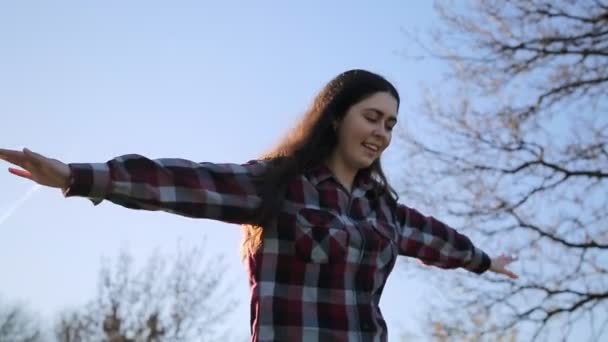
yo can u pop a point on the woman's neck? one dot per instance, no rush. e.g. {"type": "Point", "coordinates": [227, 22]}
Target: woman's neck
{"type": "Point", "coordinates": [341, 171]}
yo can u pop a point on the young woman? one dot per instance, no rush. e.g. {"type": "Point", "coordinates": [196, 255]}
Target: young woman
{"type": "Point", "coordinates": [323, 227]}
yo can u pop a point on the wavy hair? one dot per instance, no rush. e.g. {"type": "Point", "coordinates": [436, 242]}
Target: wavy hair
{"type": "Point", "coordinates": [311, 142]}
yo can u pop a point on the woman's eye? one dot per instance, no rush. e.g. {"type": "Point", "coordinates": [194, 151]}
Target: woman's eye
{"type": "Point", "coordinates": [370, 119]}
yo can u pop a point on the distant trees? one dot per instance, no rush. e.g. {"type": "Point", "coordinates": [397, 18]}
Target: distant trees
{"type": "Point", "coordinates": [522, 162]}
{"type": "Point", "coordinates": [179, 298]}
{"type": "Point", "coordinates": [17, 324]}
{"type": "Point", "coordinates": [178, 301]}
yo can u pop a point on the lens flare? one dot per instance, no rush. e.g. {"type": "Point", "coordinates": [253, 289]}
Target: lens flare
{"type": "Point", "coordinates": [6, 213]}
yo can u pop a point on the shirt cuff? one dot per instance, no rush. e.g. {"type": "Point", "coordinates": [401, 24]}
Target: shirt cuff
{"type": "Point", "coordinates": [91, 180]}
{"type": "Point", "coordinates": [480, 261]}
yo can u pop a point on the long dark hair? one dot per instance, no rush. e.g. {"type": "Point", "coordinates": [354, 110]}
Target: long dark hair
{"type": "Point", "coordinates": [312, 141]}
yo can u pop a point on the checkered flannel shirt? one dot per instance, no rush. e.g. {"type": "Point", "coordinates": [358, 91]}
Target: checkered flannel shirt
{"type": "Point", "coordinates": [324, 260]}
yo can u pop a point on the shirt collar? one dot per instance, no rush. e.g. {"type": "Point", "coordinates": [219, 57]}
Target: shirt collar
{"type": "Point", "coordinates": [322, 172]}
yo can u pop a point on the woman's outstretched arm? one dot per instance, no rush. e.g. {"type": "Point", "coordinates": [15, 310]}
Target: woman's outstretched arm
{"type": "Point", "coordinates": [220, 191]}
{"type": "Point", "coordinates": [437, 244]}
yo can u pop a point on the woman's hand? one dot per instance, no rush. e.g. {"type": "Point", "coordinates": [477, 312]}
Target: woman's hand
{"type": "Point", "coordinates": [499, 265]}
{"type": "Point", "coordinates": [40, 169]}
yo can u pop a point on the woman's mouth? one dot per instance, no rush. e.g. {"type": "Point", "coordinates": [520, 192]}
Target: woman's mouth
{"type": "Point", "coordinates": [371, 148]}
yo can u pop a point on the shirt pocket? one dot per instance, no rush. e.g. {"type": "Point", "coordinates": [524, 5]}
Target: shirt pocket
{"type": "Point", "coordinates": [380, 242]}
{"type": "Point", "coordinates": [320, 237]}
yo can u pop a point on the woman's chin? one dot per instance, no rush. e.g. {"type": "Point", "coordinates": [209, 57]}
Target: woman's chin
{"type": "Point", "coordinates": [364, 163]}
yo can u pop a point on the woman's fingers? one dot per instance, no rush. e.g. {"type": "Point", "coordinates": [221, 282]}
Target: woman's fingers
{"type": "Point", "coordinates": [13, 157]}
{"type": "Point", "coordinates": [507, 259]}
{"type": "Point", "coordinates": [4, 151]}
{"type": "Point", "coordinates": [508, 273]}
{"type": "Point", "coordinates": [36, 167]}
{"type": "Point", "coordinates": [499, 265]}
{"type": "Point", "coordinates": [24, 159]}
{"type": "Point", "coordinates": [21, 173]}
{"type": "Point", "coordinates": [36, 158]}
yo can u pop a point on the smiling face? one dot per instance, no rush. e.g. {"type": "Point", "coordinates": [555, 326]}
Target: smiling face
{"type": "Point", "coordinates": [365, 131]}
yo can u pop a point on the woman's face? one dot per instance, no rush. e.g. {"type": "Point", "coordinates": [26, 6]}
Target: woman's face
{"type": "Point", "coordinates": [366, 130]}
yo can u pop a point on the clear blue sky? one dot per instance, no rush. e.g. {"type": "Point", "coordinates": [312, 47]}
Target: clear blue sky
{"type": "Point", "coordinates": [209, 81]}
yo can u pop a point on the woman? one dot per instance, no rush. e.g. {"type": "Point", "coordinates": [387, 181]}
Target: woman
{"type": "Point", "coordinates": [323, 227]}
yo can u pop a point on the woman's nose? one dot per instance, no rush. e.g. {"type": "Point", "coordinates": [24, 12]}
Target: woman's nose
{"type": "Point", "coordinates": [381, 132]}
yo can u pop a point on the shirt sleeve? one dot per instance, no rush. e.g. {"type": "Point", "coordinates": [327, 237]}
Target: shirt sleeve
{"type": "Point", "coordinates": [437, 244]}
{"type": "Point", "coordinates": [222, 191]}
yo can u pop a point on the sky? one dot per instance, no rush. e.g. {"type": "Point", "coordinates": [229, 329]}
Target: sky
{"type": "Point", "coordinates": [86, 81]}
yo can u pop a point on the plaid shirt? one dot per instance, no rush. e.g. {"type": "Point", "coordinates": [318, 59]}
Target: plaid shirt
{"type": "Point", "coordinates": [324, 261]}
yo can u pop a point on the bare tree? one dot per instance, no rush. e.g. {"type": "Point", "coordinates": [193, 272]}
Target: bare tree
{"type": "Point", "coordinates": [185, 302]}
{"type": "Point", "coordinates": [17, 324]}
{"type": "Point", "coordinates": [514, 151]}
